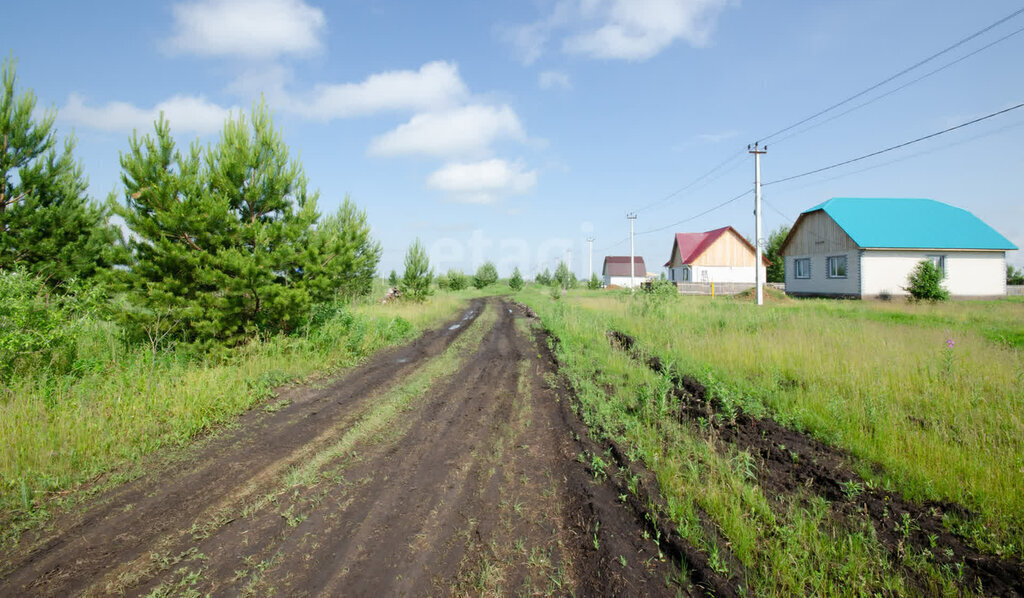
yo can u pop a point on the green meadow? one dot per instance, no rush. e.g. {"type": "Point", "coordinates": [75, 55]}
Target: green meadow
{"type": "Point", "coordinates": [926, 399]}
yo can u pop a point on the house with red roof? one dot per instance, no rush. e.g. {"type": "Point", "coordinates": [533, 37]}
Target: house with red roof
{"type": "Point", "coordinates": [721, 256]}
{"type": "Point", "coordinates": [616, 271]}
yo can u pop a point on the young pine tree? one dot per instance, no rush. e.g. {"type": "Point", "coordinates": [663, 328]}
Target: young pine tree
{"type": "Point", "coordinates": [486, 275]}
{"type": "Point", "coordinates": [417, 276]}
{"type": "Point", "coordinates": [48, 225]}
{"type": "Point", "coordinates": [393, 279]}
{"type": "Point", "coordinates": [223, 241]}
{"type": "Point", "coordinates": [925, 283]}
{"type": "Point", "coordinates": [516, 282]}
{"type": "Point", "coordinates": [594, 283]}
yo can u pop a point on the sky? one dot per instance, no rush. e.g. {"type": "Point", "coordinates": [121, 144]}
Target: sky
{"type": "Point", "coordinates": [514, 131]}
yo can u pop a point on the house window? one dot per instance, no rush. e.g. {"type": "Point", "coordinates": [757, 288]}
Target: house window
{"type": "Point", "coordinates": [939, 261]}
{"type": "Point", "coordinates": [686, 274]}
{"type": "Point", "coordinates": [836, 266]}
{"type": "Point", "coordinates": [802, 267]}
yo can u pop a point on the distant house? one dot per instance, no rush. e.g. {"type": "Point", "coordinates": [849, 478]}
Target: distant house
{"type": "Point", "coordinates": [720, 255]}
{"type": "Point", "coordinates": [866, 248]}
{"type": "Point", "coordinates": [616, 270]}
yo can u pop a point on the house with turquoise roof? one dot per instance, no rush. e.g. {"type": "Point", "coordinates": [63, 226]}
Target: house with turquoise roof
{"type": "Point", "coordinates": [866, 248]}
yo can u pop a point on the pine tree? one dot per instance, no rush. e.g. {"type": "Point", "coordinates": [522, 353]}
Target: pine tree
{"type": "Point", "coordinates": [393, 279]}
{"type": "Point", "coordinates": [224, 243]}
{"type": "Point", "coordinates": [563, 277]}
{"type": "Point", "coordinates": [776, 270]}
{"type": "Point", "coordinates": [417, 276]}
{"type": "Point", "coordinates": [48, 225]}
{"type": "Point", "coordinates": [594, 283]}
{"type": "Point", "coordinates": [516, 282]}
{"type": "Point", "coordinates": [342, 258]}
{"type": "Point", "coordinates": [486, 275]}
{"type": "Point", "coordinates": [543, 278]}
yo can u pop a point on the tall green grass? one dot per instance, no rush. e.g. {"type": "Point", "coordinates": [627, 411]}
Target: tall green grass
{"type": "Point", "coordinates": [116, 402]}
{"type": "Point", "coordinates": [879, 380]}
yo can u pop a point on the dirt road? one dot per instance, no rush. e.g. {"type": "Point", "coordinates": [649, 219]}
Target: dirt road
{"type": "Point", "coordinates": [449, 466]}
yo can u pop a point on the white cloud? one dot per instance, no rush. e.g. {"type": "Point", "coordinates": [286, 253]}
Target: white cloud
{"type": "Point", "coordinates": [247, 28]}
{"type": "Point", "coordinates": [483, 182]}
{"type": "Point", "coordinates": [619, 29]}
{"type": "Point", "coordinates": [552, 79]}
{"type": "Point", "coordinates": [717, 137]}
{"type": "Point", "coordinates": [435, 85]}
{"type": "Point", "coordinates": [465, 131]}
{"type": "Point", "coordinates": [193, 114]}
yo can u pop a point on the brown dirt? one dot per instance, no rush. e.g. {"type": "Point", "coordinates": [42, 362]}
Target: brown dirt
{"type": "Point", "coordinates": [475, 487]}
{"type": "Point", "coordinates": [791, 463]}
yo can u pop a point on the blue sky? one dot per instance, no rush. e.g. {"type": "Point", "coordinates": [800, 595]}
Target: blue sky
{"type": "Point", "coordinates": [511, 131]}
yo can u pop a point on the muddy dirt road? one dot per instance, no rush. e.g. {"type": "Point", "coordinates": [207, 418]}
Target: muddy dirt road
{"type": "Point", "coordinates": [448, 466]}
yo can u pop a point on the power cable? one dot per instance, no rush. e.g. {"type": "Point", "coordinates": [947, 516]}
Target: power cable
{"type": "Point", "coordinates": [705, 212]}
{"type": "Point", "coordinates": [901, 87]}
{"type": "Point", "coordinates": [896, 76]}
{"type": "Point", "coordinates": [693, 182]}
{"type": "Point", "coordinates": [894, 147]}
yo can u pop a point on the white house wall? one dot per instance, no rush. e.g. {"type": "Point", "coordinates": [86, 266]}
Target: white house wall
{"type": "Point", "coordinates": [623, 281]}
{"type": "Point", "coordinates": [819, 283]}
{"type": "Point", "coordinates": [968, 273]}
{"type": "Point", "coordinates": [716, 274]}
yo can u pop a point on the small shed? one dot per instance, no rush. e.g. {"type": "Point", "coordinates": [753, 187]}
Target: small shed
{"type": "Point", "coordinates": [867, 247]}
{"type": "Point", "coordinates": [720, 255]}
{"type": "Point", "coordinates": [616, 271]}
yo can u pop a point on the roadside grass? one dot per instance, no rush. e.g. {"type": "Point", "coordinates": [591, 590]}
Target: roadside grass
{"type": "Point", "coordinates": [879, 380]}
{"type": "Point", "coordinates": [120, 402]}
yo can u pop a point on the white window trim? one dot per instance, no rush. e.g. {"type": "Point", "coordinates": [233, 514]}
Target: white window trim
{"type": "Point", "coordinates": [828, 266]}
{"type": "Point", "coordinates": [796, 268]}
{"type": "Point", "coordinates": [939, 260]}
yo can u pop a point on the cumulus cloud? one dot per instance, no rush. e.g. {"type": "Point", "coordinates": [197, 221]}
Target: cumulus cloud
{"type": "Point", "coordinates": [192, 114]}
{"type": "Point", "coordinates": [435, 85]}
{"type": "Point", "coordinates": [467, 130]}
{"type": "Point", "coordinates": [246, 28]}
{"type": "Point", "coordinates": [483, 182]}
{"type": "Point", "coordinates": [553, 79]}
{"type": "Point", "coordinates": [618, 29]}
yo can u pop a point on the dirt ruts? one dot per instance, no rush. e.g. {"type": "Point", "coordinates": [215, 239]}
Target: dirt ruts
{"type": "Point", "coordinates": [792, 463]}
{"type": "Point", "coordinates": [447, 466]}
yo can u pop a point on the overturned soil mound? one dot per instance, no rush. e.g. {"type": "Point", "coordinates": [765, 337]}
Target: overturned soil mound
{"type": "Point", "coordinates": [792, 463]}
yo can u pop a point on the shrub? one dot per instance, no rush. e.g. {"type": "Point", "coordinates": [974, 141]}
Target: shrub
{"type": "Point", "coordinates": [925, 283]}
{"type": "Point", "coordinates": [543, 278]}
{"type": "Point", "coordinates": [417, 276]}
{"type": "Point", "coordinates": [516, 282]}
{"type": "Point", "coordinates": [594, 283]}
{"type": "Point", "coordinates": [563, 277]}
{"type": "Point", "coordinates": [486, 275]}
{"type": "Point", "coordinates": [457, 280]}
{"type": "Point", "coordinates": [1013, 275]}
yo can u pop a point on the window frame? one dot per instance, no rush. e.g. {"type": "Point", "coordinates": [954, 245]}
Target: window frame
{"type": "Point", "coordinates": [939, 260]}
{"type": "Point", "coordinates": [834, 259]}
{"type": "Point", "coordinates": [796, 268]}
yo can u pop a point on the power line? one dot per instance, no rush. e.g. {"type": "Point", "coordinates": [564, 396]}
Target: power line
{"type": "Point", "coordinates": [895, 147]}
{"type": "Point", "coordinates": [900, 88]}
{"type": "Point", "coordinates": [896, 76]}
{"type": "Point", "coordinates": [912, 156]}
{"type": "Point", "coordinates": [692, 183]}
{"type": "Point", "coordinates": [705, 212]}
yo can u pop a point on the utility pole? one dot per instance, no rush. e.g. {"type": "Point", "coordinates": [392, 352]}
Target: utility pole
{"type": "Point", "coordinates": [590, 241]}
{"type": "Point", "coordinates": [757, 219]}
{"type": "Point", "coordinates": [632, 259]}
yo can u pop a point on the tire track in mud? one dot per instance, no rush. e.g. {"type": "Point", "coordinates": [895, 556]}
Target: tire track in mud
{"type": "Point", "coordinates": [448, 466]}
{"type": "Point", "coordinates": [791, 463]}
{"type": "Point", "coordinates": [128, 522]}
